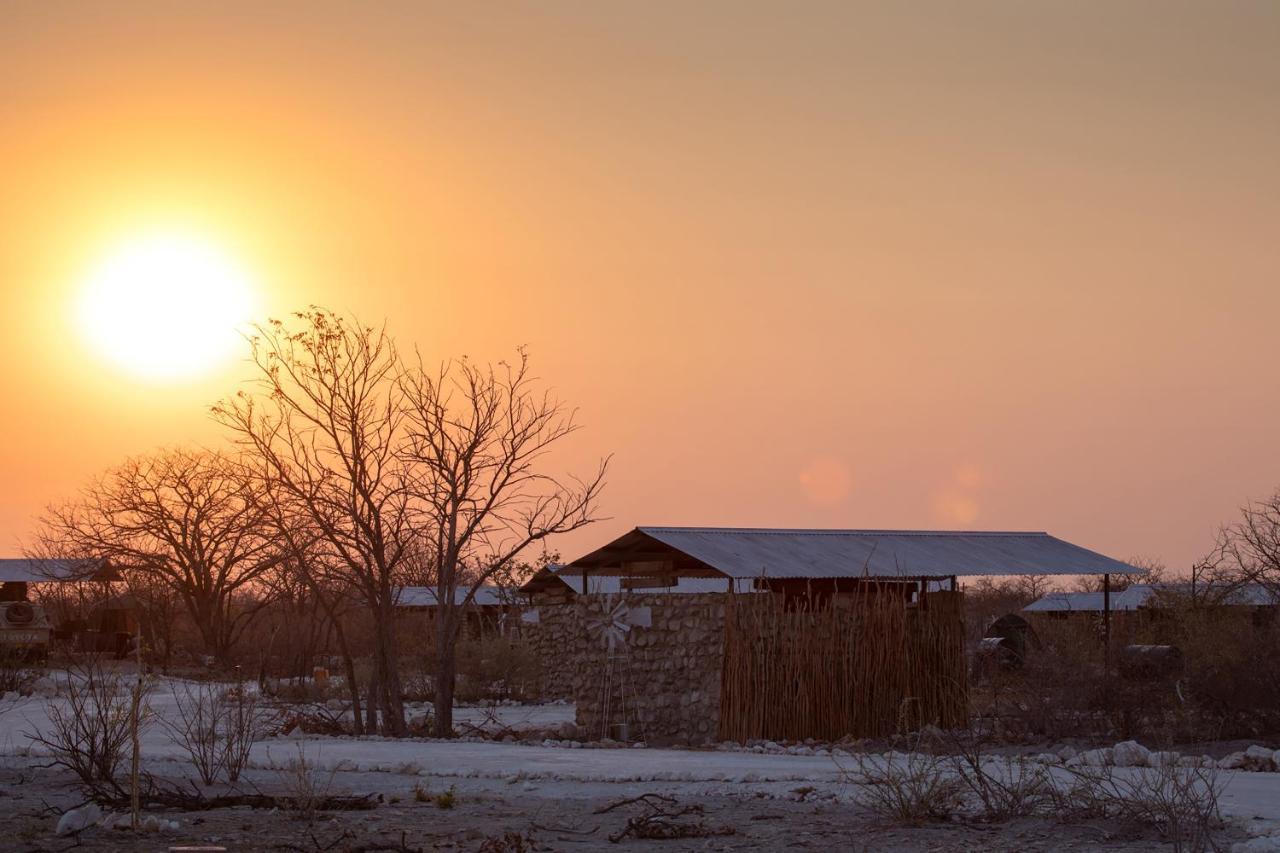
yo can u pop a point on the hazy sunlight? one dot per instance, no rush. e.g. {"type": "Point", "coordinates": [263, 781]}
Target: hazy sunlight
{"type": "Point", "coordinates": [166, 306]}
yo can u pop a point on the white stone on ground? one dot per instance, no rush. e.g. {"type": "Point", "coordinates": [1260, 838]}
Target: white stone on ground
{"type": "Point", "coordinates": [78, 820]}
{"type": "Point", "coordinates": [1130, 753]}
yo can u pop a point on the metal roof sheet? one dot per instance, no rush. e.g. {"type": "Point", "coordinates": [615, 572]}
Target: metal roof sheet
{"type": "Point", "coordinates": [1087, 602]}
{"type": "Point", "coordinates": [1149, 595]}
{"type": "Point", "coordinates": [782, 553]}
{"type": "Point", "coordinates": [425, 596]}
{"type": "Point", "coordinates": [26, 570]}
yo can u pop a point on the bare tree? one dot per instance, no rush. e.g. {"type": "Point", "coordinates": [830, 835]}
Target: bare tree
{"type": "Point", "coordinates": [1247, 551]}
{"type": "Point", "coordinates": [478, 438]}
{"type": "Point", "coordinates": [1150, 570]}
{"type": "Point", "coordinates": [325, 424]}
{"type": "Point", "coordinates": [189, 519]}
{"type": "Point", "coordinates": [329, 587]}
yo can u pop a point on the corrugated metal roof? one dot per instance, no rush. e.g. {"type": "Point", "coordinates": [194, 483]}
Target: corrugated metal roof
{"type": "Point", "coordinates": [425, 596]}
{"type": "Point", "coordinates": [1086, 602]}
{"type": "Point", "coordinates": [1149, 595]}
{"type": "Point", "coordinates": [24, 570]}
{"type": "Point", "coordinates": [772, 553]}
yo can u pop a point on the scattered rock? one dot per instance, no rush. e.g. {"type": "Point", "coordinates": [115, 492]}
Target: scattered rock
{"type": "Point", "coordinates": [78, 820]}
{"type": "Point", "coordinates": [151, 823]}
{"type": "Point", "coordinates": [1234, 761]}
{"type": "Point", "coordinates": [1096, 757]}
{"type": "Point", "coordinates": [1259, 758]}
{"type": "Point", "coordinates": [1130, 753]}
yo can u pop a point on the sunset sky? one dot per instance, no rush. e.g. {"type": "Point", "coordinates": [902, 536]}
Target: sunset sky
{"type": "Point", "coordinates": [983, 265]}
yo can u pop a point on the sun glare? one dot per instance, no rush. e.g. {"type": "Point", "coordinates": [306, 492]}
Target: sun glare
{"type": "Point", "coordinates": [166, 307]}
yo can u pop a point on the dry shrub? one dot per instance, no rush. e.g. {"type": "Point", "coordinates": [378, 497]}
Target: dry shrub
{"type": "Point", "coordinates": [306, 788]}
{"type": "Point", "coordinates": [494, 667]}
{"type": "Point", "coordinates": [1002, 789]}
{"type": "Point", "coordinates": [313, 719]}
{"type": "Point", "coordinates": [1229, 686]}
{"type": "Point", "coordinates": [90, 726]}
{"type": "Point", "coordinates": [18, 671]}
{"type": "Point", "coordinates": [1182, 803]}
{"type": "Point", "coordinates": [1231, 681]}
{"type": "Point", "coordinates": [1058, 693]}
{"type": "Point", "coordinates": [912, 788]}
{"type": "Point", "coordinates": [216, 726]}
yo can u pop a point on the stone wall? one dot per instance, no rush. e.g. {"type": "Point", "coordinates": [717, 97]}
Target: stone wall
{"type": "Point", "coordinates": [554, 639]}
{"type": "Point", "coordinates": [664, 682]}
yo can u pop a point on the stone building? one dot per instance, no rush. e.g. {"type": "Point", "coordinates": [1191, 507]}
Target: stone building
{"type": "Point", "coordinates": [691, 635]}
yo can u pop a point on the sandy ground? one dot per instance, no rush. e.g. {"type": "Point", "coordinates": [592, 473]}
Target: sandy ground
{"type": "Point", "coordinates": [563, 820]}
{"type": "Point", "coordinates": [538, 797]}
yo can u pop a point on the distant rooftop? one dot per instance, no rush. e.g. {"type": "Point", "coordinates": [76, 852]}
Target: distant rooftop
{"type": "Point", "coordinates": [742, 553]}
{"type": "Point", "coordinates": [27, 570]}
{"type": "Point", "coordinates": [1148, 595]}
{"type": "Point", "coordinates": [426, 596]}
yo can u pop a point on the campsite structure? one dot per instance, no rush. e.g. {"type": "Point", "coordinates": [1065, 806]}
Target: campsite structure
{"type": "Point", "coordinates": [861, 634]}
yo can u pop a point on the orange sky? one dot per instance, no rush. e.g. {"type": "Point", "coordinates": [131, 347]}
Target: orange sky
{"type": "Point", "coordinates": [994, 265]}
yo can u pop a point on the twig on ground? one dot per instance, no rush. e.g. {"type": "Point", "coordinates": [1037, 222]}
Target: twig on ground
{"type": "Point", "coordinates": [647, 799]}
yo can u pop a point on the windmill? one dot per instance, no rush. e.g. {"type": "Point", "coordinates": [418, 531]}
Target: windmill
{"type": "Point", "coordinates": [610, 629]}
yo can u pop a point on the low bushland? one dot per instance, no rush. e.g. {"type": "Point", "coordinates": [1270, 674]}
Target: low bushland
{"type": "Point", "coordinates": [955, 778]}
{"type": "Point", "coordinates": [1227, 686]}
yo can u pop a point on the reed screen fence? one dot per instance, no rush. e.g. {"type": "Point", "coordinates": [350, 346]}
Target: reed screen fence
{"type": "Point", "coordinates": [867, 666]}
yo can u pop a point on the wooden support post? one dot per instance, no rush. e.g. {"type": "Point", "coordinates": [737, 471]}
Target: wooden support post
{"type": "Point", "coordinates": [584, 580]}
{"type": "Point", "coordinates": [1106, 629]}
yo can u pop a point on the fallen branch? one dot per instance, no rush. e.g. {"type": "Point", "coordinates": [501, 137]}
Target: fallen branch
{"type": "Point", "coordinates": [647, 799]}
{"type": "Point", "coordinates": [662, 821]}
{"type": "Point", "coordinates": [153, 794]}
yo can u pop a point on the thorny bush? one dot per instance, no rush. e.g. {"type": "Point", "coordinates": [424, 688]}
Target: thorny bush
{"type": "Point", "coordinates": [90, 723]}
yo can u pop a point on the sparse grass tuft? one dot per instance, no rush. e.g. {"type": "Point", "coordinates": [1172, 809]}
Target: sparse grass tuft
{"type": "Point", "coordinates": [446, 800]}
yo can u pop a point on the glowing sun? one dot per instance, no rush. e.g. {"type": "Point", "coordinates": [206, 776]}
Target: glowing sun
{"type": "Point", "coordinates": [166, 306]}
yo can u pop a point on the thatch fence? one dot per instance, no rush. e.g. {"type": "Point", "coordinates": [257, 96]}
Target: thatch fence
{"type": "Point", "coordinates": [868, 666]}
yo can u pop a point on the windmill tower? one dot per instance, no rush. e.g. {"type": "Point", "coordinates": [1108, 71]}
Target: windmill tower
{"type": "Point", "coordinates": [619, 710]}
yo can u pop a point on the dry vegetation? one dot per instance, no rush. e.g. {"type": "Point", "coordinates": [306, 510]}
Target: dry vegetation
{"type": "Point", "coordinates": [956, 778]}
{"type": "Point", "coordinates": [91, 724]}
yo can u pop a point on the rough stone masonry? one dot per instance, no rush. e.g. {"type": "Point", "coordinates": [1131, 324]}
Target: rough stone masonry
{"type": "Point", "coordinates": [663, 683]}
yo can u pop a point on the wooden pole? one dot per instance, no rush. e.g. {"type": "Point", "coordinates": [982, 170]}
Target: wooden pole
{"type": "Point", "coordinates": [1106, 638]}
{"type": "Point", "coordinates": [134, 724]}
{"type": "Point", "coordinates": [1106, 619]}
